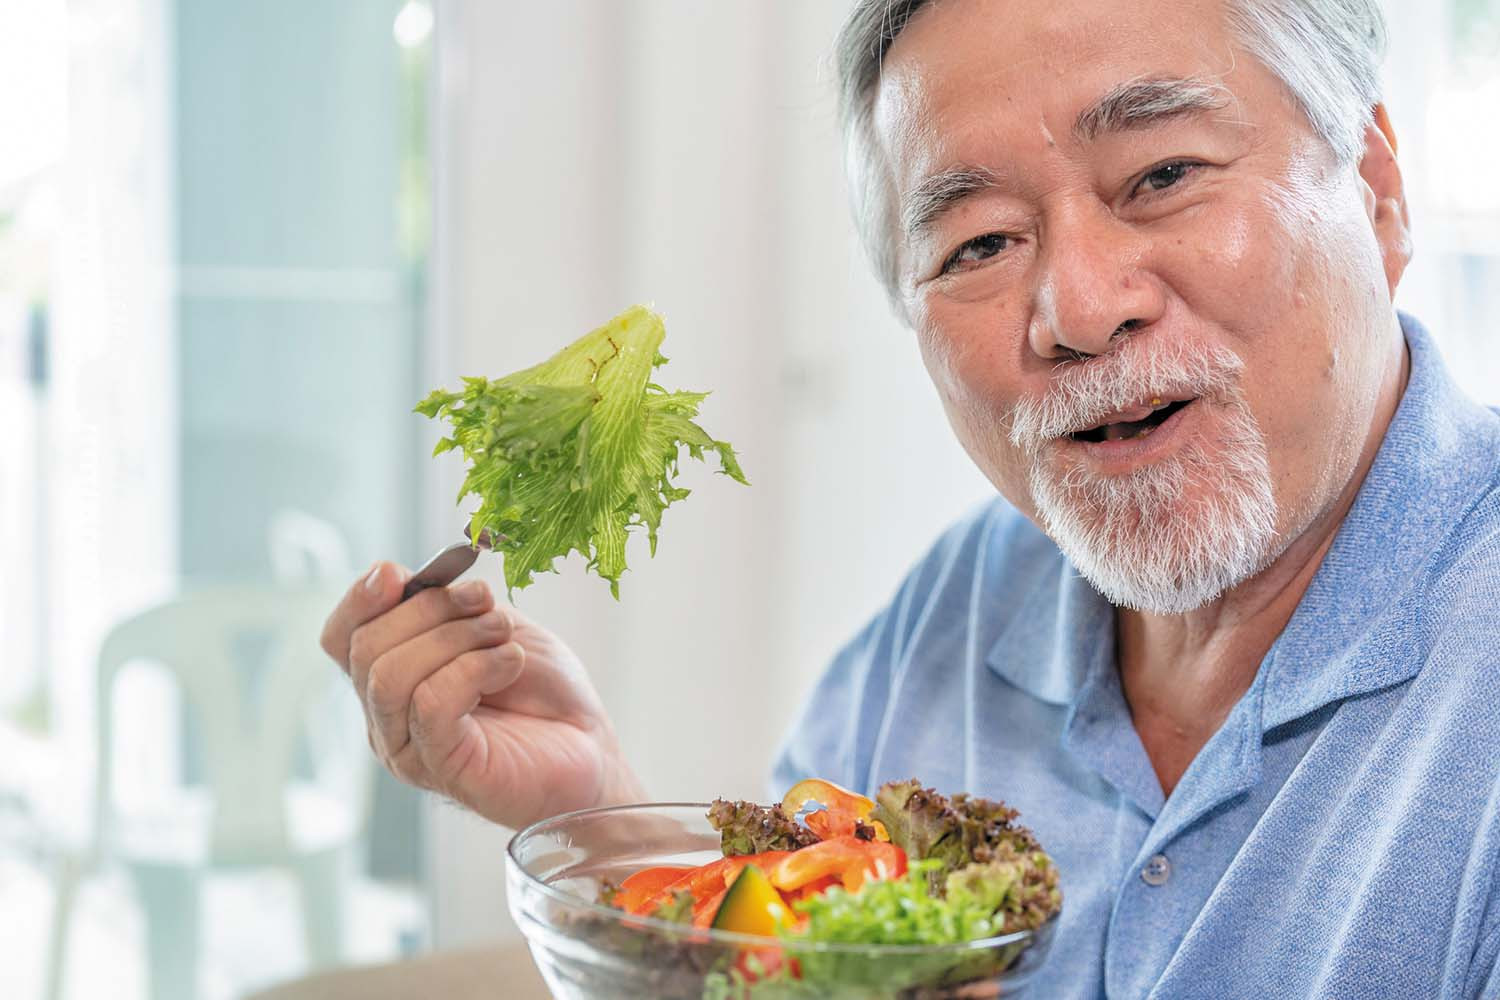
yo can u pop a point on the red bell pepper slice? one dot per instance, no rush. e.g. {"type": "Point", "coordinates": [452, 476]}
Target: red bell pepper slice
{"type": "Point", "coordinates": [826, 793]}
{"type": "Point", "coordinates": [816, 887]}
{"type": "Point", "coordinates": [646, 883]}
{"type": "Point", "coordinates": [711, 879]}
{"type": "Point", "coordinates": [707, 908]}
{"type": "Point", "coordinates": [850, 859]}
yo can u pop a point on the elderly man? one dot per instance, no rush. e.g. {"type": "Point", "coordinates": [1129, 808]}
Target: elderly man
{"type": "Point", "coordinates": [1230, 641]}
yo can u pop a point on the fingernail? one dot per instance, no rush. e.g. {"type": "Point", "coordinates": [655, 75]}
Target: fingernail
{"type": "Point", "coordinates": [372, 582]}
{"type": "Point", "coordinates": [470, 595]}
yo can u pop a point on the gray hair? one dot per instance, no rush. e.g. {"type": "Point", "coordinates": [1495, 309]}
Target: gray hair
{"type": "Point", "coordinates": [1327, 54]}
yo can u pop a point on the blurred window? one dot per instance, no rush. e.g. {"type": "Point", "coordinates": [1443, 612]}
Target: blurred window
{"type": "Point", "coordinates": [212, 249]}
{"type": "Point", "coordinates": [1443, 86]}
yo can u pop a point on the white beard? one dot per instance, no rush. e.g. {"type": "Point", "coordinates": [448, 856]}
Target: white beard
{"type": "Point", "coordinates": [1133, 539]}
{"type": "Point", "coordinates": [1171, 536]}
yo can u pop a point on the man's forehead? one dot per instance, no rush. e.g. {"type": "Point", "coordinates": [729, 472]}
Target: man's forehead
{"type": "Point", "coordinates": [973, 69]}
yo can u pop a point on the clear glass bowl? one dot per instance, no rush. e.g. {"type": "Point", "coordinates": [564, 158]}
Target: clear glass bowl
{"type": "Point", "coordinates": [589, 951]}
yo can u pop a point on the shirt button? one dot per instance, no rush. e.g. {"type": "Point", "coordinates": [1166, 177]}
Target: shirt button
{"type": "Point", "coordinates": [1157, 870]}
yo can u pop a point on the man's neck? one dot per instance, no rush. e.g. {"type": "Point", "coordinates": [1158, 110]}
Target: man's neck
{"type": "Point", "coordinates": [1182, 674]}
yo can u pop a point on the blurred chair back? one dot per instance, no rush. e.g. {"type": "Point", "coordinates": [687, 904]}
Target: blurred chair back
{"type": "Point", "coordinates": [251, 675]}
{"type": "Point", "coordinates": [250, 722]}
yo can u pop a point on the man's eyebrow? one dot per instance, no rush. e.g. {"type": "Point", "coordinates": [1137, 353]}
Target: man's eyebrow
{"type": "Point", "coordinates": [935, 195]}
{"type": "Point", "coordinates": [1139, 104]}
{"type": "Point", "coordinates": [1135, 104]}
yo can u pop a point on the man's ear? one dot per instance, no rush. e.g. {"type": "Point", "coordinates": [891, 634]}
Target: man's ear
{"type": "Point", "coordinates": [1385, 197]}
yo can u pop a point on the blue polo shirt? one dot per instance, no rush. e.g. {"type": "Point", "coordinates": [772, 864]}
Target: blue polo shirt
{"type": "Point", "coordinates": [1338, 837]}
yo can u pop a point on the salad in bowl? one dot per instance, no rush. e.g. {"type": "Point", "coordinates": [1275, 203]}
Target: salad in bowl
{"type": "Point", "coordinates": [825, 894]}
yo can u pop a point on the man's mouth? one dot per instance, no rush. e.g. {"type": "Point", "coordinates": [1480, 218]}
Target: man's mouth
{"type": "Point", "coordinates": [1135, 422]}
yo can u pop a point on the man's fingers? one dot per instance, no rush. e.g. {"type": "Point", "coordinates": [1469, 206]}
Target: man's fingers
{"type": "Point", "coordinates": [372, 595]}
{"type": "Point", "coordinates": [424, 612]}
{"type": "Point", "coordinates": [440, 703]}
{"type": "Point", "coordinates": [396, 674]}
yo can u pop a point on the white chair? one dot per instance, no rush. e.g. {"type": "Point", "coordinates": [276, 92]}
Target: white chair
{"type": "Point", "coordinates": [306, 548]}
{"type": "Point", "coordinates": [252, 808]}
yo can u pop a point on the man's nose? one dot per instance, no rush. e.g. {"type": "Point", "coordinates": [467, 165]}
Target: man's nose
{"type": "Point", "coordinates": [1093, 287]}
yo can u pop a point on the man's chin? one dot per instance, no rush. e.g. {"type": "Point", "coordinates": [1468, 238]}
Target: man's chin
{"type": "Point", "coordinates": [1167, 558]}
{"type": "Point", "coordinates": [1149, 597]}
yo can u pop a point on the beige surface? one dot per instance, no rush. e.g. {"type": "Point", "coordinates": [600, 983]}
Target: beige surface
{"type": "Point", "coordinates": [498, 973]}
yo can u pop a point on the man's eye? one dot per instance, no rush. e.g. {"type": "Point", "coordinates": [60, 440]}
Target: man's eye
{"type": "Point", "coordinates": [979, 249]}
{"type": "Point", "coordinates": [1165, 176]}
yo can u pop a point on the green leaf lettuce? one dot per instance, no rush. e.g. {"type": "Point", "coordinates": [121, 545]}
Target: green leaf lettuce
{"type": "Point", "coordinates": [569, 454]}
{"type": "Point", "coordinates": [981, 853]}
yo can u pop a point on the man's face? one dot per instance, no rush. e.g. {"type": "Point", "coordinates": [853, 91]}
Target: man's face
{"type": "Point", "coordinates": [1154, 305]}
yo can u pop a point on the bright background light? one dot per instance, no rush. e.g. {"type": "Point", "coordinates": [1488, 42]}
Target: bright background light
{"type": "Point", "coordinates": [33, 87]}
{"type": "Point", "coordinates": [413, 24]}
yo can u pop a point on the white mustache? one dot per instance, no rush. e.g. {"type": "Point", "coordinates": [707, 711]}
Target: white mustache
{"type": "Point", "coordinates": [1086, 392]}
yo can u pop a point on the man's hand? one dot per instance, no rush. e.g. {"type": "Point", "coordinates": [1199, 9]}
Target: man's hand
{"type": "Point", "coordinates": [474, 701]}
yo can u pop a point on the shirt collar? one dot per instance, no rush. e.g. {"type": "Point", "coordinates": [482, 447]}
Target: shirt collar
{"type": "Point", "coordinates": [1420, 485]}
{"type": "Point", "coordinates": [1060, 632]}
{"type": "Point", "coordinates": [1434, 464]}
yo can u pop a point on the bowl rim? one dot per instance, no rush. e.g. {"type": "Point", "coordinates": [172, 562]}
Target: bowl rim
{"type": "Point", "coordinates": [710, 934]}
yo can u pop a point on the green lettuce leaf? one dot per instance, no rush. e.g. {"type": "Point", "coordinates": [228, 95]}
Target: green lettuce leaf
{"type": "Point", "coordinates": [567, 455]}
{"type": "Point", "coordinates": [897, 911]}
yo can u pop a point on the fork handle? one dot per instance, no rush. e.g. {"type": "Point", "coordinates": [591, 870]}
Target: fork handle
{"type": "Point", "coordinates": [442, 569]}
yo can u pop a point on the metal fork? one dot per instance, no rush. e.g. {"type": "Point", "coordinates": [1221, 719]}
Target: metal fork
{"type": "Point", "coordinates": [448, 565]}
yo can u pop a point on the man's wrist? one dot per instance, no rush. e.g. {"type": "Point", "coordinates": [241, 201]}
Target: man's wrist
{"type": "Point", "coordinates": [622, 787]}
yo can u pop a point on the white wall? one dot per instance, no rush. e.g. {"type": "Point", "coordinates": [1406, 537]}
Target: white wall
{"type": "Point", "coordinates": [108, 491]}
{"type": "Point", "coordinates": [593, 154]}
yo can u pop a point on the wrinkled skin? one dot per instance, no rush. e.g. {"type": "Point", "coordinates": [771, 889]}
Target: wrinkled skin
{"type": "Point", "coordinates": [1265, 246]}
{"type": "Point", "coordinates": [474, 701]}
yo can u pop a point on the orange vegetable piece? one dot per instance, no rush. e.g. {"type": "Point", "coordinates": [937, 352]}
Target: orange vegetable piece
{"type": "Point", "coordinates": [646, 883]}
{"type": "Point", "coordinates": [841, 808]}
{"type": "Point", "coordinates": [850, 859]}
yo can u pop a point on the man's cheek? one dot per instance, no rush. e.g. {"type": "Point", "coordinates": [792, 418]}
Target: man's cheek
{"type": "Point", "coordinates": [1231, 269]}
{"type": "Point", "coordinates": [937, 355]}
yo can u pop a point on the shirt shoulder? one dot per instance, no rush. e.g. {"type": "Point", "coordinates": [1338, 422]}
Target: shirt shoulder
{"type": "Point", "coordinates": [1463, 587]}
{"type": "Point", "coordinates": [992, 550]}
